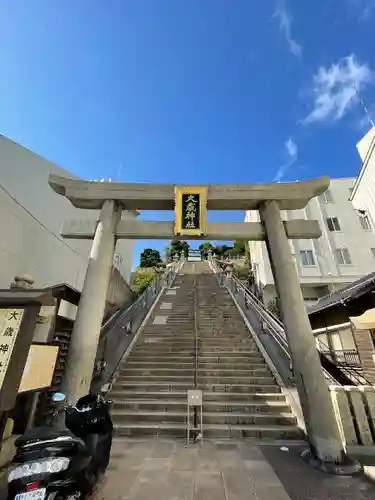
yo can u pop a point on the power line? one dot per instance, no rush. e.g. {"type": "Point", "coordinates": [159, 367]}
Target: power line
{"type": "Point", "coordinates": [365, 109]}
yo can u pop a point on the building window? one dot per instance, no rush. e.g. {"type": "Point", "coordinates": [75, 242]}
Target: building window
{"type": "Point", "coordinates": [342, 256]}
{"type": "Point", "coordinates": [327, 196]}
{"type": "Point", "coordinates": [365, 222]}
{"type": "Point", "coordinates": [307, 258]}
{"type": "Point", "coordinates": [333, 224]}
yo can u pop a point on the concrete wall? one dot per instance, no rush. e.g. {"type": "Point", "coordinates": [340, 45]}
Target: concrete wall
{"type": "Point", "coordinates": [326, 270]}
{"type": "Point", "coordinates": [31, 215]}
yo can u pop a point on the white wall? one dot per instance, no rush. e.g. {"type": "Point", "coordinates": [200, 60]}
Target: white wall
{"type": "Point", "coordinates": [326, 270]}
{"type": "Point", "coordinates": [31, 215]}
{"type": "Point", "coordinates": [364, 189]}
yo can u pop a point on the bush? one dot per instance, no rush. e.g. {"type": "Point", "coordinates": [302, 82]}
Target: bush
{"type": "Point", "coordinates": [142, 278]}
{"type": "Point", "coordinates": [241, 272]}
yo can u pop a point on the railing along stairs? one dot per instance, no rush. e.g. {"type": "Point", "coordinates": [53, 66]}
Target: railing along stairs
{"type": "Point", "coordinates": [271, 333]}
{"type": "Point", "coordinates": [119, 331]}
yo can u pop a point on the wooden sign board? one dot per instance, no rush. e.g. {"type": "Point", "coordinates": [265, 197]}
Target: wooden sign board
{"type": "Point", "coordinates": [39, 368]}
{"type": "Point", "coordinates": [190, 210]}
{"type": "Point", "coordinates": [10, 322]}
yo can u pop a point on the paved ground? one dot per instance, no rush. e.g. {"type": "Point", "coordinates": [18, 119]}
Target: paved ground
{"type": "Point", "coordinates": [213, 470]}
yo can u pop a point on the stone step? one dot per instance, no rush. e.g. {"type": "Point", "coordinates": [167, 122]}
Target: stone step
{"type": "Point", "coordinates": [202, 378]}
{"type": "Point", "coordinates": [210, 357]}
{"type": "Point", "coordinates": [201, 372]}
{"type": "Point", "coordinates": [189, 379]}
{"type": "Point", "coordinates": [210, 431]}
{"type": "Point", "coordinates": [225, 365]}
{"type": "Point", "coordinates": [236, 339]}
{"type": "Point", "coordinates": [160, 344]}
{"type": "Point", "coordinates": [172, 364]}
{"type": "Point", "coordinates": [219, 342]}
{"type": "Point", "coordinates": [238, 387]}
{"type": "Point", "coordinates": [227, 349]}
{"type": "Point", "coordinates": [142, 371]}
{"type": "Point", "coordinates": [160, 359]}
{"type": "Point", "coordinates": [180, 405]}
{"type": "Point", "coordinates": [145, 385]}
{"type": "Point", "coordinates": [119, 394]}
{"type": "Point", "coordinates": [234, 379]}
{"type": "Point", "coordinates": [240, 396]}
{"type": "Point", "coordinates": [161, 351]}
{"type": "Point", "coordinates": [174, 336]}
{"type": "Point", "coordinates": [155, 385]}
{"type": "Point", "coordinates": [158, 364]}
{"type": "Point", "coordinates": [221, 372]}
{"type": "Point", "coordinates": [232, 418]}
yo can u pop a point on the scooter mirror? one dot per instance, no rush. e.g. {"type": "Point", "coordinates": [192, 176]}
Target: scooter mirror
{"type": "Point", "coordinates": [58, 397]}
{"type": "Point", "coordinates": [106, 388]}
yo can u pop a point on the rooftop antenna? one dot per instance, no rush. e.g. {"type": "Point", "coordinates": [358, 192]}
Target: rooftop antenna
{"type": "Point", "coordinates": [364, 107]}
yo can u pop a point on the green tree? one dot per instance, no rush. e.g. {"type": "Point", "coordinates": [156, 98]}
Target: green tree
{"type": "Point", "coordinates": [222, 250]}
{"type": "Point", "coordinates": [150, 258]}
{"type": "Point", "coordinates": [239, 247]}
{"type": "Point", "coordinates": [205, 248]}
{"type": "Point", "coordinates": [178, 247]}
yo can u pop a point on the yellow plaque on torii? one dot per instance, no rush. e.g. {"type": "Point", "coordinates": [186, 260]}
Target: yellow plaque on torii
{"type": "Point", "coordinates": [190, 210]}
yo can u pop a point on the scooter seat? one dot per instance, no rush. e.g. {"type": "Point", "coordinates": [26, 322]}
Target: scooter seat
{"type": "Point", "coordinates": [42, 433]}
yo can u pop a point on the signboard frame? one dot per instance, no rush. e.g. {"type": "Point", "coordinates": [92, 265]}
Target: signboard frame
{"type": "Point", "coordinates": [15, 365]}
{"type": "Point", "coordinates": [39, 368]}
{"type": "Point", "coordinates": [181, 192]}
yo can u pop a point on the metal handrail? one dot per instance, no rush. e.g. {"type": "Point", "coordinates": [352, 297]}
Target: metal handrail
{"type": "Point", "coordinates": [196, 333]}
{"type": "Point", "coordinates": [350, 373]}
{"type": "Point", "coordinates": [117, 339]}
{"type": "Point", "coordinates": [276, 329]}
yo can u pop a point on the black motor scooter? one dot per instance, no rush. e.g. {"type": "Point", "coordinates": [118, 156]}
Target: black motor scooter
{"type": "Point", "coordinates": [66, 459]}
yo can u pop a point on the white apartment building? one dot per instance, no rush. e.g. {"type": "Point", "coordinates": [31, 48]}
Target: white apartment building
{"type": "Point", "coordinates": [363, 194]}
{"type": "Point", "coordinates": [31, 216]}
{"type": "Point", "coordinates": [344, 253]}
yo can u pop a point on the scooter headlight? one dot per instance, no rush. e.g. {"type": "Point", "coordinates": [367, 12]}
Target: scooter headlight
{"type": "Point", "coordinates": [47, 465]}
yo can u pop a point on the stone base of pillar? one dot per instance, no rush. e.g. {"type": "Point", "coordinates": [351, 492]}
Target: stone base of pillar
{"type": "Point", "coordinates": [347, 467]}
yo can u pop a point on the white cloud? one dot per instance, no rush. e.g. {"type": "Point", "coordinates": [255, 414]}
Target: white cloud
{"type": "Point", "coordinates": [335, 89]}
{"type": "Point", "coordinates": [285, 24]}
{"type": "Point", "coordinates": [291, 148]}
{"type": "Point", "coordinates": [292, 152]}
{"type": "Point", "coordinates": [365, 8]}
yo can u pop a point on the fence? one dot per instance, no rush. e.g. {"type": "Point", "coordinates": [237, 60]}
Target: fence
{"type": "Point", "coordinates": [355, 412]}
{"type": "Point", "coordinates": [271, 333]}
{"type": "Point", "coordinates": [120, 329]}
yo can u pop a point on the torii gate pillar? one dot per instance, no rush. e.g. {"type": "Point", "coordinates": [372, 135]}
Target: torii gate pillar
{"type": "Point", "coordinates": [87, 325]}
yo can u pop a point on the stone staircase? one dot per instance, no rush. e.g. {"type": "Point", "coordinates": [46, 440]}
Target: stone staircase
{"type": "Point", "coordinates": [241, 397]}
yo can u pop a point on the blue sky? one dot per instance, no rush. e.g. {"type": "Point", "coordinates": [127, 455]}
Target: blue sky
{"type": "Point", "coordinates": [189, 91]}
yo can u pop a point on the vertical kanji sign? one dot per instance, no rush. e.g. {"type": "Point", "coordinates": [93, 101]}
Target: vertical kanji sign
{"type": "Point", "coordinates": [190, 210]}
{"type": "Point", "coordinates": [10, 321]}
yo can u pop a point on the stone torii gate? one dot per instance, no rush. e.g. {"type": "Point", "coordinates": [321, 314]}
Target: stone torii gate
{"type": "Point", "coordinates": [113, 197]}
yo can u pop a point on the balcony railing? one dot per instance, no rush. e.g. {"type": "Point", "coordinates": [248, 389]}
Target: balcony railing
{"type": "Point", "coordinates": [347, 357]}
